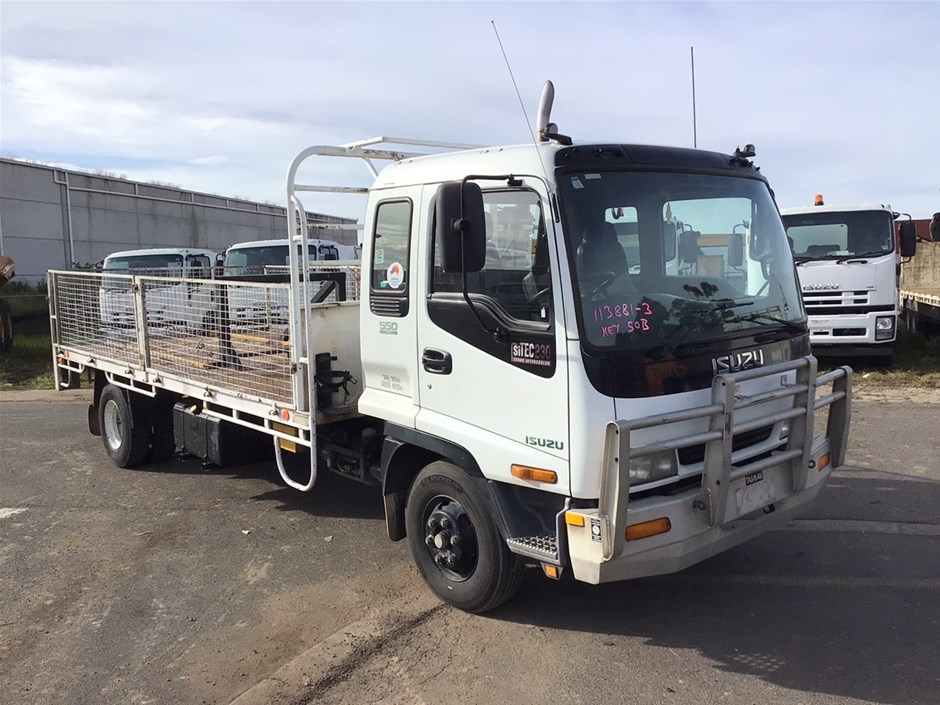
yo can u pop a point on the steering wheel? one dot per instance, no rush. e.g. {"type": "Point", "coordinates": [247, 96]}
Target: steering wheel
{"type": "Point", "coordinates": [598, 281]}
{"type": "Point", "coordinates": [535, 296]}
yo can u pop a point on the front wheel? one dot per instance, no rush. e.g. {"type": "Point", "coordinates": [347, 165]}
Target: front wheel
{"type": "Point", "coordinates": [455, 543]}
{"type": "Point", "coordinates": [127, 445]}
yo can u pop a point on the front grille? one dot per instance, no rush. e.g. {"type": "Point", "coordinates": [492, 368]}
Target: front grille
{"type": "Point", "coordinates": [696, 454]}
{"type": "Point", "coordinates": [815, 300]}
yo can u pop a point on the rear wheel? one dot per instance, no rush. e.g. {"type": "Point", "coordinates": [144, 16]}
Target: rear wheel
{"type": "Point", "coordinates": [127, 445]}
{"type": "Point", "coordinates": [455, 543]}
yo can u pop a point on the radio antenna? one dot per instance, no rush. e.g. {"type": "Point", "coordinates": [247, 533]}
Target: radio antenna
{"type": "Point", "coordinates": [694, 125]}
{"type": "Point", "coordinates": [513, 78]}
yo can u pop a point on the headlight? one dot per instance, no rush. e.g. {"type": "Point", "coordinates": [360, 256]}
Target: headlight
{"type": "Point", "coordinates": [649, 468]}
{"type": "Point", "coordinates": [784, 429]}
{"type": "Point", "coordinates": [884, 327]}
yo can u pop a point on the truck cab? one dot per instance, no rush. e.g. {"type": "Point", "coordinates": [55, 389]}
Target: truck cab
{"type": "Point", "coordinates": [272, 256]}
{"type": "Point", "coordinates": [621, 401]}
{"type": "Point", "coordinates": [177, 282]}
{"type": "Point", "coordinates": [849, 264]}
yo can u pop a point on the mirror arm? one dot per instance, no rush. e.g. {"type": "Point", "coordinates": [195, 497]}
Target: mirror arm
{"type": "Point", "coordinates": [500, 334]}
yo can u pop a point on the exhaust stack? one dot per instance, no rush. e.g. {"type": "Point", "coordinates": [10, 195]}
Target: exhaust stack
{"type": "Point", "coordinates": [542, 125]}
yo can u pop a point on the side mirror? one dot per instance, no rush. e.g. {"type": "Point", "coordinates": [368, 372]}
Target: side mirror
{"type": "Point", "coordinates": [907, 233]}
{"type": "Point", "coordinates": [460, 226]}
{"type": "Point", "coordinates": [688, 246]}
{"type": "Point", "coordinates": [736, 251]}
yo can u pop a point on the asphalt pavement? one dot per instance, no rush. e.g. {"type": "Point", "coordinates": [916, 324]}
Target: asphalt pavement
{"type": "Point", "coordinates": [181, 584]}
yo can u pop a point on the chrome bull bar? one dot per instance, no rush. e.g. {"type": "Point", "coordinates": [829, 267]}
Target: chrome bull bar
{"type": "Point", "coordinates": [718, 472]}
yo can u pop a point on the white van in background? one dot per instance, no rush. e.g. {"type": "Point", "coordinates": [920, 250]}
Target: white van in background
{"type": "Point", "coordinates": [172, 302]}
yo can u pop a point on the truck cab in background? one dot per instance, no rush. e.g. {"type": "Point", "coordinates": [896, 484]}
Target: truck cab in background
{"type": "Point", "coordinates": [266, 256]}
{"type": "Point", "coordinates": [849, 264]}
{"type": "Point", "coordinates": [177, 293]}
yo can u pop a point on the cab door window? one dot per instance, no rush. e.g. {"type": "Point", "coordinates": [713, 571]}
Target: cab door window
{"type": "Point", "coordinates": [516, 275]}
{"type": "Point", "coordinates": [391, 239]}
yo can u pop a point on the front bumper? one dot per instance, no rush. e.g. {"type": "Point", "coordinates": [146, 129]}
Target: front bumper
{"type": "Point", "coordinates": [855, 330]}
{"type": "Point", "coordinates": [735, 501]}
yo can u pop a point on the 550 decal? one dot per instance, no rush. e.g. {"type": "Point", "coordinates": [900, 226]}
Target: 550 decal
{"type": "Point", "coordinates": [388, 328]}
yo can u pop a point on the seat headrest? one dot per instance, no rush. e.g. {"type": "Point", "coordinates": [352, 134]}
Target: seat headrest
{"type": "Point", "coordinates": [599, 233]}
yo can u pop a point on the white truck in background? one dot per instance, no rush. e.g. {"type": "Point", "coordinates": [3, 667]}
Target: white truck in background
{"type": "Point", "coordinates": [532, 395]}
{"type": "Point", "coordinates": [266, 260]}
{"type": "Point", "coordinates": [180, 303]}
{"type": "Point", "coordinates": [259, 256]}
{"type": "Point", "coordinates": [849, 263]}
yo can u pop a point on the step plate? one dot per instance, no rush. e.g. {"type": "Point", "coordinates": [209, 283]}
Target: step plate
{"type": "Point", "coordinates": [543, 548]}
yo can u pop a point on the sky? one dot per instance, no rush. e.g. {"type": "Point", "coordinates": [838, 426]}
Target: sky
{"type": "Point", "coordinates": [839, 98]}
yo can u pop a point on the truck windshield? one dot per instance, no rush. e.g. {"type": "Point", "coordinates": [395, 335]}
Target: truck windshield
{"type": "Point", "coordinates": [141, 264]}
{"type": "Point", "coordinates": [660, 258]}
{"type": "Point", "coordinates": [269, 259]}
{"type": "Point", "coordinates": [839, 235]}
{"type": "Point", "coordinates": [255, 260]}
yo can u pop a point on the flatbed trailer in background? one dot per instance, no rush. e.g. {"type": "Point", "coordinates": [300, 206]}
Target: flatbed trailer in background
{"type": "Point", "coordinates": [920, 289]}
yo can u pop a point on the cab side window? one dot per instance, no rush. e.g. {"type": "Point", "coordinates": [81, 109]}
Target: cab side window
{"type": "Point", "coordinates": [390, 246]}
{"type": "Point", "coordinates": [199, 265]}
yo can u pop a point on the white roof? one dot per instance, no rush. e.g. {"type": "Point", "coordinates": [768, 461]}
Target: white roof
{"type": "Point", "coordinates": [803, 210]}
{"type": "Point", "coordinates": [521, 160]}
{"type": "Point", "coordinates": [268, 243]}
{"type": "Point", "coordinates": [162, 251]}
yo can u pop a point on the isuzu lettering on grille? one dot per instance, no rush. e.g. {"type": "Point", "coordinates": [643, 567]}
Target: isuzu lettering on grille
{"type": "Point", "coordinates": [738, 361]}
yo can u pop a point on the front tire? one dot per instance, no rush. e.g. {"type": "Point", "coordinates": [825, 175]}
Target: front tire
{"type": "Point", "coordinates": [455, 542]}
{"type": "Point", "coordinates": [127, 445]}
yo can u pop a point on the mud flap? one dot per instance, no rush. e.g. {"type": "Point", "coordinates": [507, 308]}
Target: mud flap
{"type": "Point", "coordinates": [93, 427]}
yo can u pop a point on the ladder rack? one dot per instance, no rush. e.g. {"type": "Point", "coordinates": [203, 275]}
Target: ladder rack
{"type": "Point", "coordinates": [301, 318]}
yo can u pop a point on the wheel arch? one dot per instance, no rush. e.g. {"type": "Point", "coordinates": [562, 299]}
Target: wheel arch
{"type": "Point", "coordinates": [405, 452]}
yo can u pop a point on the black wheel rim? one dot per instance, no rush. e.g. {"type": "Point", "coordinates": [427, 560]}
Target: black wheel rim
{"type": "Point", "coordinates": [450, 538]}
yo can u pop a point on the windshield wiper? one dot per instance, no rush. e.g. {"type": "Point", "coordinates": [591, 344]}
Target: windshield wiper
{"type": "Point", "coordinates": [861, 255]}
{"type": "Point", "coordinates": [802, 259]}
{"type": "Point", "coordinates": [694, 322]}
{"type": "Point", "coordinates": [757, 316]}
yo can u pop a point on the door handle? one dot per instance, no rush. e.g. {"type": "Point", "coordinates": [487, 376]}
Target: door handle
{"type": "Point", "coordinates": [437, 362]}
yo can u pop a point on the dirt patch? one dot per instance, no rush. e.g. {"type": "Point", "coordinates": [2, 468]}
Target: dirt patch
{"type": "Point", "coordinates": [903, 395]}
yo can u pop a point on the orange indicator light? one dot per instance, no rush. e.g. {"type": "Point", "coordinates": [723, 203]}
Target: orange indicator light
{"type": "Point", "coordinates": [648, 528]}
{"type": "Point", "coordinates": [523, 472]}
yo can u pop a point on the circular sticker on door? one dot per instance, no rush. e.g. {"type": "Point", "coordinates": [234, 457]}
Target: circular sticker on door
{"type": "Point", "coordinates": [395, 275]}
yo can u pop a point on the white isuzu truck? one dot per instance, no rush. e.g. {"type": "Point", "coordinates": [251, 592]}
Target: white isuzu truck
{"type": "Point", "coordinates": [522, 388]}
{"type": "Point", "coordinates": [849, 264]}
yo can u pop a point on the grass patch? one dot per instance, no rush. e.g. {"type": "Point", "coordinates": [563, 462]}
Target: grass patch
{"type": "Point", "coordinates": [29, 364]}
{"type": "Point", "coordinates": [916, 365]}
{"type": "Point", "coordinates": [27, 300]}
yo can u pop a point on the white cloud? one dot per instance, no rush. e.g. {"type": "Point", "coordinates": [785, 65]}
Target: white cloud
{"type": "Point", "coordinates": [838, 97]}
